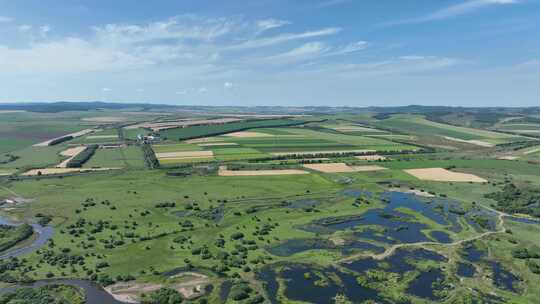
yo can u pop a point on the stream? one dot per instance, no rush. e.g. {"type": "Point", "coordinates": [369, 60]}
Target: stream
{"type": "Point", "coordinates": [44, 234]}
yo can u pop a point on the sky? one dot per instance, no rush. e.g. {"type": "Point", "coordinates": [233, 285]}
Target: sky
{"type": "Point", "coordinates": [272, 52]}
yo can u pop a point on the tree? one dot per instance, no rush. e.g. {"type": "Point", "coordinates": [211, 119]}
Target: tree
{"type": "Point", "coordinates": [163, 296]}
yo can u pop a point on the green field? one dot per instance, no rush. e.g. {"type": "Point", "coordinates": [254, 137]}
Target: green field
{"type": "Point", "coordinates": [415, 124]}
{"type": "Point", "coordinates": [307, 238]}
{"type": "Point", "coordinates": [211, 130]}
{"type": "Point", "coordinates": [277, 140]}
{"type": "Point", "coordinates": [130, 157]}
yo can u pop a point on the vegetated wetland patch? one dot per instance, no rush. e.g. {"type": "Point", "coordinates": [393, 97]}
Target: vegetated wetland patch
{"type": "Point", "coordinates": [283, 237]}
{"type": "Point", "coordinates": [223, 171]}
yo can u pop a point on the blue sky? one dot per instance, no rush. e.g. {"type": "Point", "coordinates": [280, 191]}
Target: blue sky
{"type": "Point", "coordinates": [272, 52]}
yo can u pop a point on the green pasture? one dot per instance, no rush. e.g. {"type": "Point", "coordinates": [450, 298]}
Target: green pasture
{"type": "Point", "coordinates": [129, 157]}
{"type": "Point", "coordinates": [416, 124]}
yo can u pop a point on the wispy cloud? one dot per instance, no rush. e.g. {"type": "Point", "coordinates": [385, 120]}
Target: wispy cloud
{"type": "Point", "coordinates": [282, 38]}
{"type": "Point", "coordinates": [328, 3]}
{"type": "Point", "coordinates": [314, 50]}
{"type": "Point", "coordinates": [268, 24]}
{"type": "Point", "coordinates": [4, 19]}
{"type": "Point", "coordinates": [404, 65]}
{"type": "Point", "coordinates": [452, 11]}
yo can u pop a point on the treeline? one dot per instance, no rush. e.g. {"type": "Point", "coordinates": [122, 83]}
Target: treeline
{"type": "Point", "coordinates": [60, 140]}
{"type": "Point", "coordinates": [514, 199]}
{"type": "Point", "coordinates": [528, 255]}
{"type": "Point", "coordinates": [10, 236]}
{"type": "Point", "coordinates": [52, 294]}
{"type": "Point", "coordinates": [215, 130]}
{"type": "Point", "coordinates": [83, 157]}
{"type": "Point", "coordinates": [8, 159]}
{"type": "Point", "coordinates": [323, 154]}
{"type": "Point", "coordinates": [149, 156]}
{"type": "Point", "coordinates": [518, 145]}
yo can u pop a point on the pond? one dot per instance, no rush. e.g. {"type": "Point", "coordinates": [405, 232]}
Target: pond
{"type": "Point", "coordinates": [523, 220]}
{"type": "Point", "coordinates": [465, 270]}
{"type": "Point", "coordinates": [300, 288]}
{"type": "Point", "coordinates": [390, 225]}
{"type": "Point", "coordinates": [503, 278]}
{"type": "Point", "coordinates": [472, 254]}
{"type": "Point", "coordinates": [294, 246]}
{"type": "Point", "coordinates": [400, 262]}
{"type": "Point", "coordinates": [425, 285]}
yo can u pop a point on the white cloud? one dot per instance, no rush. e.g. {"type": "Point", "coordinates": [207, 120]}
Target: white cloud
{"type": "Point", "coordinates": [202, 90]}
{"type": "Point", "coordinates": [263, 42]}
{"type": "Point", "coordinates": [452, 11]}
{"type": "Point", "coordinates": [106, 90]}
{"type": "Point", "coordinates": [306, 51]}
{"type": "Point", "coordinates": [192, 43]}
{"type": "Point", "coordinates": [24, 28]}
{"type": "Point", "coordinates": [4, 19]}
{"type": "Point", "coordinates": [182, 92]}
{"type": "Point", "coordinates": [228, 85]}
{"type": "Point", "coordinates": [268, 24]}
{"type": "Point", "coordinates": [405, 65]}
{"type": "Point", "coordinates": [70, 55]}
{"type": "Point", "coordinates": [314, 50]}
{"type": "Point", "coordinates": [351, 48]}
{"type": "Point", "coordinates": [44, 30]}
{"type": "Point", "coordinates": [328, 3]}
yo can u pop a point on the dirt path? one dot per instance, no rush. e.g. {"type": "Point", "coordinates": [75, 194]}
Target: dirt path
{"type": "Point", "coordinates": [10, 191]}
{"type": "Point", "coordinates": [389, 251]}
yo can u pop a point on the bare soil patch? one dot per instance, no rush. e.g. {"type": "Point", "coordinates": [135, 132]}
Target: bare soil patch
{"type": "Point", "coordinates": [443, 175]}
{"type": "Point", "coordinates": [320, 152]}
{"type": "Point", "coordinates": [70, 153]}
{"type": "Point", "coordinates": [51, 171]}
{"type": "Point", "coordinates": [247, 134]}
{"type": "Point", "coordinates": [218, 144]}
{"type": "Point", "coordinates": [110, 119]}
{"type": "Point", "coordinates": [203, 140]}
{"type": "Point", "coordinates": [341, 168]}
{"type": "Point", "coordinates": [472, 142]}
{"type": "Point", "coordinates": [75, 135]}
{"type": "Point", "coordinates": [101, 136]}
{"type": "Point", "coordinates": [224, 172]}
{"type": "Point", "coordinates": [412, 191]}
{"type": "Point", "coordinates": [370, 157]}
{"type": "Point", "coordinates": [531, 151]}
{"type": "Point", "coordinates": [507, 157]}
{"type": "Point", "coordinates": [184, 154]}
{"type": "Point", "coordinates": [182, 123]}
{"type": "Point", "coordinates": [189, 284]}
{"type": "Point", "coordinates": [353, 128]}
{"type": "Point", "coordinates": [367, 168]}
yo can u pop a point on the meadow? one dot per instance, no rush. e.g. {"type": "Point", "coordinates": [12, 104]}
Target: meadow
{"type": "Point", "coordinates": [370, 231]}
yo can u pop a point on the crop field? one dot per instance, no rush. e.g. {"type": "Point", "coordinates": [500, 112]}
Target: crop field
{"type": "Point", "coordinates": [414, 124]}
{"type": "Point", "coordinates": [278, 214]}
{"type": "Point", "coordinates": [19, 130]}
{"type": "Point", "coordinates": [266, 142]}
{"type": "Point", "coordinates": [521, 128]}
{"type": "Point", "coordinates": [130, 157]}
{"type": "Point", "coordinates": [101, 137]}
{"type": "Point", "coordinates": [211, 130]}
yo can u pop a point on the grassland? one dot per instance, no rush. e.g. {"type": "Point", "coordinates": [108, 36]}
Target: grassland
{"type": "Point", "coordinates": [276, 141]}
{"type": "Point", "coordinates": [415, 124]}
{"type": "Point", "coordinates": [143, 226]}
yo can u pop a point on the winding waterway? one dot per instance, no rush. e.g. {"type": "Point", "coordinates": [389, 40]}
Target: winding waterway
{"type": "Point", "coordinates": [44, 234]}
